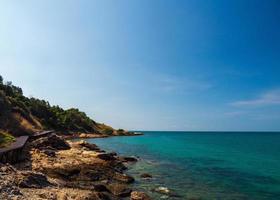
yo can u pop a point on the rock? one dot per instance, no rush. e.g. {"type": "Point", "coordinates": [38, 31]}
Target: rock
{"type": "Point", "coordinates": [113, 153]}
{"type": "Point", "coordinates": [49, 152]}
{"type": "Point", "coordinates": [67, 173]}
{"type": "Point", "coordinates": [8, 186]}
{"type": "Point", "coordinates": [33, 180]}
{"type": "Point", "coordinates": [135, 195]}
{"type": "Point", "coordinates": [120, 167]}
{"type": "Point", "coordinates": [101, 188]}
{"type": "Point", "coordinates": [79, 195]}
{"type": "Point", "coordinates": [99, 196]}
{"type": "Point", "coordinates": [123, 178]}
{"type": "Point", "coordinates": [162, 190]}
{"type": "Point", "coordinates": [106, 156]}
{"type": "Point", "coordinates": [92, 175]}
{"type": "Point", "coordinates": [119, 190]}
{"type": "Point", "coordinates": [6, 169]}
{"type": "Point", "coordinates": [52, 142]}
{"type": "Point", "coordinates": [88, 146]}
{"type": "Point", "coordinates": [146, 176]}
{"type": "Point", "coordinates": [100, 151]}
{"type": "Point", "coordinates": [128, 159]}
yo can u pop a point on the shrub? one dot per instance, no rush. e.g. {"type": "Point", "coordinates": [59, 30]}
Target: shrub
{"type": "Point", "coordinates": [5, 138]}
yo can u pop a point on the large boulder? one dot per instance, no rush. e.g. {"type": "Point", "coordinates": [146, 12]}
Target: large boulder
{"type": "Point", "coordinates": [107, 156]}
{"type": "Point", "coordinates": [52, 142]}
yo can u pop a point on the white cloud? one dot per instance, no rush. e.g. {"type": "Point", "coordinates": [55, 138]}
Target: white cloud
{"type": "Point", "coordinates": [268, 98]}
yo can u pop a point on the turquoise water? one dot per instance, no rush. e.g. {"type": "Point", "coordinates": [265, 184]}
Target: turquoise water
{"type": "Point", "coordinates": [204, 165]}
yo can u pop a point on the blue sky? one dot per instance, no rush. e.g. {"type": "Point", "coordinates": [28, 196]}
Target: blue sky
{"type": "Point", "coordinates": [149, 65]}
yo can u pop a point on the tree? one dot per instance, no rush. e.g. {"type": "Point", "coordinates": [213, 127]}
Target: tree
{"type": "Point", "coordinates": [1, 80]}
{"type": "Point", "coordinates": [9, 83]}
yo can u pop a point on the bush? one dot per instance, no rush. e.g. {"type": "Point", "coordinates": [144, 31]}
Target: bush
{"type": "Point", "coordinates": [5, 138]}
{"type": "Point", "coordinates": [120, 131]}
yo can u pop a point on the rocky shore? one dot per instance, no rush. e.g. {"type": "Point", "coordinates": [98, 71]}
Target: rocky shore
{"type": "Point", "coordinates": [56, 169]}
{"type": "Point", "coordinates": [98, 135]}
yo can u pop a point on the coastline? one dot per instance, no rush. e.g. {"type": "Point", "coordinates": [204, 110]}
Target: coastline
{"type": "Point", "coordinates": [57, 168]}
{"type": "Point", "coordinates": [96, 135]}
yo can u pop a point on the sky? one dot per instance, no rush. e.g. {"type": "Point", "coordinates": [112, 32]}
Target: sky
{"type": "Point", "coordinates": [193, 65]}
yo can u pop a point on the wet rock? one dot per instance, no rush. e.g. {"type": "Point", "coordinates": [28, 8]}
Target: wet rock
{"type": "Point", "coordinates": [128, 159]}
{"type": "Point", "coordinates": [100, 151]}
{"type": "Point", "coordinates": [113, 153]}
{"type": "Point", "coordinates": [106, 156]}
{"type": "Point", "coordinates": [120, 167]}
{"type": "Point", "coordinates": [135, 195]}
{"type": "Point", "coordinates": [33, 180]}
{"type": "Point", "coordinates": [120, 190]}
{"type": "Point", "coordinates": [146, 176]}
{"type": "Point", "coordinates": [124, 178]}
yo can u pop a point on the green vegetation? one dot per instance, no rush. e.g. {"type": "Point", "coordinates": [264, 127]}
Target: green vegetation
{"type": "Point", "coordinates": [51, 117]}
{"type": "Point", "coordinates": [5, 139]}
{"type": "Point", "coordinates": [120, 131]}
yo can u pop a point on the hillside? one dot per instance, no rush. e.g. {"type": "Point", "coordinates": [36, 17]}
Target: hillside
{"type": "Point", "coordinates": [20, 115]}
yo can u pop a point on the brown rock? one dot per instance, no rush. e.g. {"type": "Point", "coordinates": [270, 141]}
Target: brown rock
{"type": "Point", "coordinates": [88, 146]}
{"type": "Point", "coordinates": [120, 167]}
{"type": "Point", "coordinates": [101, 188]}
{"type": "Point", "coordinates": [33, 180]}
{"type": "Point", "coordinates": [124, 178]}
{"type": "Point", "coordinates": [66, 173]}
{"type": "Point", "coordinates": [135, 195]}
{"type": "Point", "coordinates": [106, 156]}
{"type": "Point", "coordinates": [49, 152]}
{"type": "Point", "coordinates": [119, 190]}
{"type": "Point", "coordinates": [52, 142]}
{"type": "Point", "coordinates": [146, 176]}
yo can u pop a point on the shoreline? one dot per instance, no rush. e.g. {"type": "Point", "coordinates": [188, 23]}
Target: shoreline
{"type": "Point", "coordinates": [96, 135]}
{"type": "Point", "coordinates": [56, 167]}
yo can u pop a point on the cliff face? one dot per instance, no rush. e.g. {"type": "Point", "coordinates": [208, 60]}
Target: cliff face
{"type": "Point", "coordinates": [20, 115]}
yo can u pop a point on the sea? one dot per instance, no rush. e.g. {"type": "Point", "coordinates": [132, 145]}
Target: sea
{"type": "Point", "coordinates": [203, 165]}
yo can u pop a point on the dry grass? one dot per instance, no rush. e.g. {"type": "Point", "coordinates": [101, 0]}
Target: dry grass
{"type": "Point", "coordinates": [26, 125]}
